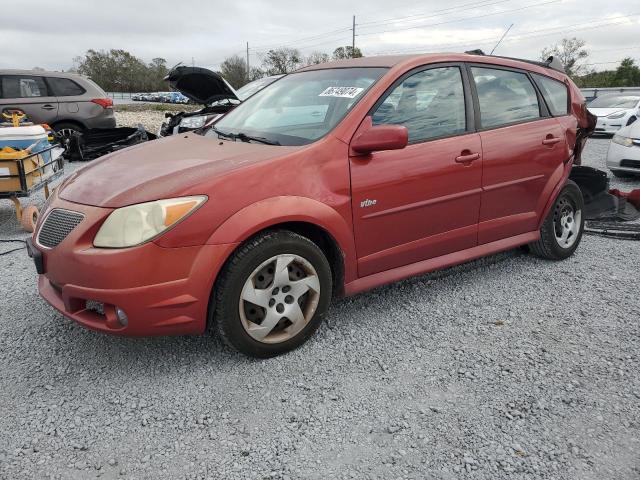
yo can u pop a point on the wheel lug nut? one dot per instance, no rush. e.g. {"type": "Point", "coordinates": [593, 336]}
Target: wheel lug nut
{"type": "Point", "coordinates": [275, 291]}
{"type": "Point", "coordinates": [289, 299]}
{"type": "Point", "coordinates": [280, 308]}
{"type": "Point", "coordinates": [272, 302]}
{"type": "Point", "coordinates": [286, 288]}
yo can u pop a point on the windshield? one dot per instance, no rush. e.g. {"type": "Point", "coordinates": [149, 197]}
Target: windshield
{"type": "Point", "coordinates": [250, 88]}
{"type": "Point", "coordinates": [301, 107]}
{"type": "Point", "coordinates": [614, 102]}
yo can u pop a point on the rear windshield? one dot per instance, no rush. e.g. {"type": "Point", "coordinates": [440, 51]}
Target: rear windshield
{"type": "Point", "coordinates": [615, 102]}
{"type": "Point", "coordinates": [301, 107]}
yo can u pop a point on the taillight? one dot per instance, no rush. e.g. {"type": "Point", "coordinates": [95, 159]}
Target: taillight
{"type": "Point", "coordinates": [103, 102]}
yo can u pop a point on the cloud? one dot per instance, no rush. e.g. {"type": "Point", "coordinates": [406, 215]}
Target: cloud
{"type": "Point", "coordinates": [210, 31]}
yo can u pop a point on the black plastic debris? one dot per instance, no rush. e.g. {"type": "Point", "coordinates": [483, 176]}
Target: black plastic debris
{"type": "Point", "coordinates": [95, 142]}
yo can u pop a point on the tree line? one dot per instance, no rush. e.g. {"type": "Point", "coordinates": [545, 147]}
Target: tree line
{"type": "Point", "coordinates": [120, 71]}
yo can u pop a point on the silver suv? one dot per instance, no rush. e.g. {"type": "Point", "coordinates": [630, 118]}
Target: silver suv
{"type": "Point", "coordinates": [66, 101]}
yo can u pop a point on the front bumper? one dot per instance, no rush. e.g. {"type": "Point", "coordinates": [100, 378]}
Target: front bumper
{"type": "Point", "coordinates": [162, 291]}
{"type": "Point", "coordinates": [608, 126]}
{"type": "Point", "coordinates": [623, 159]}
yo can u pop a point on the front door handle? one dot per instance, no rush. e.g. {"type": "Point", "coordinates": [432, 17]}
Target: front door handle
{"type": "Point", "coordinates": [551, 140]}
{"type": "Point", "coordinates": [48, 107]}
{"type": "Point", "coordinates": [467, 157]}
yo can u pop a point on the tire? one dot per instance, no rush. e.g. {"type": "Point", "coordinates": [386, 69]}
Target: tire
{"type": "Point", "coordinates": [565, 218]}
{"type": "Point", "coordinates": [262, 329]}
{"type": "Point", "coordinates": [29, 218]}
{"type": "Point", "coordinates": [64, 130]}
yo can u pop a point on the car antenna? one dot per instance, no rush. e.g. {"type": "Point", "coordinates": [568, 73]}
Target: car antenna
{"type": "Point", "coordinates": [501, 38]}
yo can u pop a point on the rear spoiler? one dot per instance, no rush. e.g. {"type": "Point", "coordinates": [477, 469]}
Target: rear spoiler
{"type": "Point", "coordinates": [552, 62]}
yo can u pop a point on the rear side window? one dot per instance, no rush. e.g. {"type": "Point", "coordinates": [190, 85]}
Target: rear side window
{"type": "Point", "coordinates": [505, 97]}
{"type": "Point", "coordinates": [555, 94]}
{"type": "Point", "coordinates": [65, 87]}
{"type": "Point", "coordinates": [22, 86]}
{"type": "Point", "coordinates": [429, 103]}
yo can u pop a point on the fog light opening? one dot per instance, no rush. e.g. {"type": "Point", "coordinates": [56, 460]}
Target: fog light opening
{"type": "Point", "coordinates": [122, 317]}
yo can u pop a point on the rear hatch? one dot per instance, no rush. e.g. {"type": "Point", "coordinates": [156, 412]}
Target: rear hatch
{"type": "Point", "coordinates": [200, 85]}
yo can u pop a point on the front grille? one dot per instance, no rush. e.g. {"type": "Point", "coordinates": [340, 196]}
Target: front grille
{"type": "Point", "coordinates": [58, 224]}
{"type": "Point", "coordinates": [630, 163]}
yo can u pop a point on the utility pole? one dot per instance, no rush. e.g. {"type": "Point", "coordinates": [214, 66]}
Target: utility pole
{"type": "Point", "coordinates": [353, 36]}
{"type": "Point", "coordinates": [248, 68]}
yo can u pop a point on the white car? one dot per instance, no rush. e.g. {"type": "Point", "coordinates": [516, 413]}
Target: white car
{"type": "Point", "coordinates": [614, 112]}
{"type": "Point", "coordinates": [623, 157]}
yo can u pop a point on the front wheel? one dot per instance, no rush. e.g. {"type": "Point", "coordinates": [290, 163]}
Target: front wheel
{"type": "Point", "coordinates": [272, 294]}
{"type": "Point", "coordinates": [562, 230]}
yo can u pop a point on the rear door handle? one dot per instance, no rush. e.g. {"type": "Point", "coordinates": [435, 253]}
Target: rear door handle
{"type": "Point", "coordinates": [467, 157]}
{"type": "Point", "coordinates": [48, 107]}
{"type": "Point", "coordinates": [551, 140]}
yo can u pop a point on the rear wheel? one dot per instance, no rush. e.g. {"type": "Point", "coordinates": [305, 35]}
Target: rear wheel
{"type": "Point", "coordinates": [562, 230]}
{"type": "Point", "coordinates": [272, 294]}
{"type": "Point", "coordinates": [66, 130]}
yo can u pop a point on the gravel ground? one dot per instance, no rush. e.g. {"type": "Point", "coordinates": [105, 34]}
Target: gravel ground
{"type": "Point", "coordinates": [507, 367]}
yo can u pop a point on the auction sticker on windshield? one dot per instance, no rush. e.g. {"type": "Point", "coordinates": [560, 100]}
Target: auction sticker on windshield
{"type": "Point", "coordinates": [342, 92]}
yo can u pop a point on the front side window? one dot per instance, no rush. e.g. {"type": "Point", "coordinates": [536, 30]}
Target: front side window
{"type": "Point", "coordinates": [505, 97]}
{"type": "Point", "coordinates": [18, 86]}
{"type": "Point", "coordinates": [555, 94]}
{"type": "Point", "coordinates": [429, 103]}
{"type": "Point", "coordinates": [65, 87]}
{"type": "Point", "coordinates": [301, 107]}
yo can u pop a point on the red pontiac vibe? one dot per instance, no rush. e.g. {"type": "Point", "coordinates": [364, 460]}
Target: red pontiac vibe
{"type": "Point", "coordinates": [333, 180]}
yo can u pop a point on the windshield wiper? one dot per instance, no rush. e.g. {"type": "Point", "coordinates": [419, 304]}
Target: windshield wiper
{"type": "Point", "coordinates": [245, 138]}
{"type": "Point", "coordinates": [248, 138]}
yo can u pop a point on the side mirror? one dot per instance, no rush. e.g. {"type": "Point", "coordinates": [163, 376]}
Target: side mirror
{"type": "Point", "coordinates": [381, 137]}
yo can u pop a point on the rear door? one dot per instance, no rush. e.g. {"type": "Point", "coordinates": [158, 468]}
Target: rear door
{"type": "Point", "coordinates": [422, 201]}
{"type": "Point", "coordinates": [30, 94]}
{"type": "Point", "coordinates": [524, 151]}
{"type": "Point", "coordinates": [69, 95]}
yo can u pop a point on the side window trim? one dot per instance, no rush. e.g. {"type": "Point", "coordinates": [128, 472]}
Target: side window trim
{"type": "Point", "coordinates": [468, 99]}
{"type": "Point", "coordinates": [542, 106]}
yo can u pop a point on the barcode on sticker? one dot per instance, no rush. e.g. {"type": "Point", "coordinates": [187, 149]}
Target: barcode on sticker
{"type": "Point", "coordinates": [342, 92]}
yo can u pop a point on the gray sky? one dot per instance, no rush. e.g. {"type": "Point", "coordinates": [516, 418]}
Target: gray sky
{"type": "Point", "coordinates": [211, 30]}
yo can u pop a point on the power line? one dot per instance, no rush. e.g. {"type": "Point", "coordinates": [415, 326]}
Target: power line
{"type": "Point", "coordinates": [462, 19]}
{"type": "Point", "coordinates": [436, 13]}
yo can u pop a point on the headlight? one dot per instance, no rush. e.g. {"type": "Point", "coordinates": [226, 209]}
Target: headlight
{"type": "Point", "coordinates": [617, 115]}
{"type": "Point", "coordinates": [137, 224]}
{"type": "Point", "coordinates": [193, 122]}
{"type": "Point", "coordinates": [620, 140]}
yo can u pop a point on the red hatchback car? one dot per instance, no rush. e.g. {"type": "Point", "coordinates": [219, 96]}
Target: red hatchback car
{"type": "Point", "coordinates": [333, 180]}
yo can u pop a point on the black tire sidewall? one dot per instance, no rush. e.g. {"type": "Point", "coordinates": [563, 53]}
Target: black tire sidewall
{"type": "Point", "coordinates": [234, 276]}
{"type": "Point", "coordinates": [573, 193]}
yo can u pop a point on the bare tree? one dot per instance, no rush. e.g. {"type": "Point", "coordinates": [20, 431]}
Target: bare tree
{"type": "Point", "coordinates": [317, 57]}
{"type": "Point", "coordinates": [346, 52]}
{"type": "Point", "coordinates": [282, 60]}
{"type": "Point", "coordinates": [234, 70]}
{"type": "Point", "coordinates": [570, 51]}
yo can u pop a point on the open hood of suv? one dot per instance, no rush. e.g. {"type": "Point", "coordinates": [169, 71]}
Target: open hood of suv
{"type": "Point", "coordinates": [200, 85]}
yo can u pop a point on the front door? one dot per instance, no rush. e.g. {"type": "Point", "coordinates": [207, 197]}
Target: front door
{"type": "Point", "coordinates": [422, 201]}
{"type": "Point", "coordinates": [30, 94]}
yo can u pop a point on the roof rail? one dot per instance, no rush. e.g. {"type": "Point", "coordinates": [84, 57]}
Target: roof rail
{"type": "Point", "coordinates": [553, 63]}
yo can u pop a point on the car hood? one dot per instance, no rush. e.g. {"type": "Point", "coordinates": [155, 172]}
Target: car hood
{"type": "Point", "coordinates": [200, 85]}
{"type": "Point", "coordinates": [631, 131]}
{"type": "Point", "coordinates": [603, 112]}
{"type": "Point", "coordinates": [172, 167]}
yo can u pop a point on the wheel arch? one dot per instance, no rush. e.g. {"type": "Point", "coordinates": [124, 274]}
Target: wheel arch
{"type": "Point", "coordinates": [72, 121]}
{"type": "Point", "coordinates": [318, 222]}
